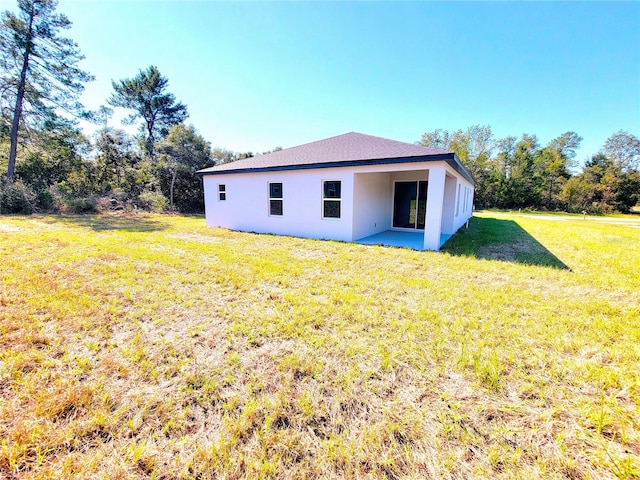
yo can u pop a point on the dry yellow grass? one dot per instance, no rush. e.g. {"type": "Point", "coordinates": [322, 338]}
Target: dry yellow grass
{"type": "Point", "coordinates": [154, 347]}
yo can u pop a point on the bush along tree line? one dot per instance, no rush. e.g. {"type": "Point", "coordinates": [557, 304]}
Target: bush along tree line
{"type": "Point", "coordinates": [52, 166]}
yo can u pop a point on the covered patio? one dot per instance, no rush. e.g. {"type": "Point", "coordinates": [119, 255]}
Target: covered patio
{"type": "Point", "coordinates": [394, 238]}
{"type": "Point", "coordinates": [401, 206]}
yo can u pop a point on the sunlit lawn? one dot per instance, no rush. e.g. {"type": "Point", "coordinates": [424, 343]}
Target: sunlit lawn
{"type": "Point", "coordinates": [153, 346]}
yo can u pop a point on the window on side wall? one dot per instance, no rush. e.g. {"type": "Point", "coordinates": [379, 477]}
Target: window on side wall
{"type": "Point", "coordinates": [222, 192]}
{"type": "Point", "coordinates": [275, 199]}
{"type": "Point", "coordinates": [331, 198]}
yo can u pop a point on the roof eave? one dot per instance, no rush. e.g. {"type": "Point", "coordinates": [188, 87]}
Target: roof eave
{"type": "Point", "coordinates": [450, 158]}
{"type": "Point", "coordinates": [456, 164]}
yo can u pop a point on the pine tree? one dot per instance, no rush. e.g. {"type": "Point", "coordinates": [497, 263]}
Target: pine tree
{"type": "Point", "coordinates": [40, 80]}
{"type": "Point", "coordinates": [145, 94]}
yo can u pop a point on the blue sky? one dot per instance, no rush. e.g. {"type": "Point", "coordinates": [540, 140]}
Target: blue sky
{"type": "Point", "coordinates": [259, 75]}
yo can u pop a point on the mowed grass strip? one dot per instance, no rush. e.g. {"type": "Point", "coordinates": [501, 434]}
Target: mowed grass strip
{"type": "Point", "coordinates": [155, 347]}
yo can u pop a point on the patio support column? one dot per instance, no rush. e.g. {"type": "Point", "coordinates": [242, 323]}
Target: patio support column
{"type": "Point", "coordinates": [435, 204]}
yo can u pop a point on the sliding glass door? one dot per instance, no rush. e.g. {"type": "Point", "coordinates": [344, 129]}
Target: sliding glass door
{"type": "Point", "coordinates": [409, 205]}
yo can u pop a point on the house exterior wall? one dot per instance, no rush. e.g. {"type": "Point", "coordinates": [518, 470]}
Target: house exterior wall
{"type": "Point", "coordinates": [457, 205]}
{"type": "Point", "coordinates": [464, 204]}
{"type": "Point", "coordinates": [372, 204]}
{"type": "Point", "coordinates": [246, 207]}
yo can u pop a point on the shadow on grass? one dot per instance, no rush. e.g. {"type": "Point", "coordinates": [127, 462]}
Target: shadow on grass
{"type": "Point", "coordinates": [504, 240]}
{"type": "Point", "coordinates": [101, 223]}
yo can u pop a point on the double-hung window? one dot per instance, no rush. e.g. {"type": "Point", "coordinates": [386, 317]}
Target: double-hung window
{"type": "Point", "coordinates": [275, 199]}
{"type": "Point", "coordinates": [331, 198]}
{"type": "Point", "coordinates": [222, 192]}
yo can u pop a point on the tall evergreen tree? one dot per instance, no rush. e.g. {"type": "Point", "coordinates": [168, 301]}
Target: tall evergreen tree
{"type": "Point", "coordinates": [145, 94]}
{"type": "Point", "coordinates": [40, 80]}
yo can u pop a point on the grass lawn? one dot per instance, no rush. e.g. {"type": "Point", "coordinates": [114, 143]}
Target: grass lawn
{"type": "Point", "coordinates": [155, 347]}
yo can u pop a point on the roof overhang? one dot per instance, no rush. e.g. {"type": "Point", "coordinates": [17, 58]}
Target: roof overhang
{"type": "Point", "coordinates": [450, 158]}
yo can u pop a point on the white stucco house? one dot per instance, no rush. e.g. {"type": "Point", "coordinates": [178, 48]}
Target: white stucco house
{"type": "Point", "coordinates": [352, 187]}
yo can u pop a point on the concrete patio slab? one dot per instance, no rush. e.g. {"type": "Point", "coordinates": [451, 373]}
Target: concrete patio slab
{"type": "Point", "coordinates": [394, 238]}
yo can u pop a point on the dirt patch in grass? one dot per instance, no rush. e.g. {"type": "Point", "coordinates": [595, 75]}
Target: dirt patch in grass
{"type": "Point", "coordinates": [8, 228]}
{"type": "Point", "coordinates": [194, 237]}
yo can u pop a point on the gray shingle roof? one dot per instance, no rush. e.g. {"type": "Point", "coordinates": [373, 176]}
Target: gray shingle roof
{"type": "Point", "coordinates": [350, 148]}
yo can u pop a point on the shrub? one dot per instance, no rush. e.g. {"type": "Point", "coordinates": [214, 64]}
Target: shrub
{"type": "Point", "coordinates": [57, 197]}
{"type": "Point", "coordinates": [48, 200]}
{"type": "Point", "coordinates": [78, 205]}
{"type": "Point", "coordinates": [115, 200]}
{"type": "Point", "coordinates": [153, 201]}
{"type": "Point", "coordinates": [17, 197]}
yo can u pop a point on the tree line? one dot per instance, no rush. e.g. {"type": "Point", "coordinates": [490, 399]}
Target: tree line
{"type": "Point", "coordinates": [514, 172]}
{"type": "Point", "coordinates": [51, 165]}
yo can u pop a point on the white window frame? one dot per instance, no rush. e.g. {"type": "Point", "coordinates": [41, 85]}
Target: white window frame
{"type": "Point", "coordinates": [280, 199]}
{"type": "Point", "coordinates": [222, 192]}
{"type": "Point", "coordinates": [331, 199]}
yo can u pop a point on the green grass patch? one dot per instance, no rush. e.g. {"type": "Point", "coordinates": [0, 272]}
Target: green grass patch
{"type": "Point", "coordinates": [155, 347]}
{"type": "Point", "coordinates": [501, 239]}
